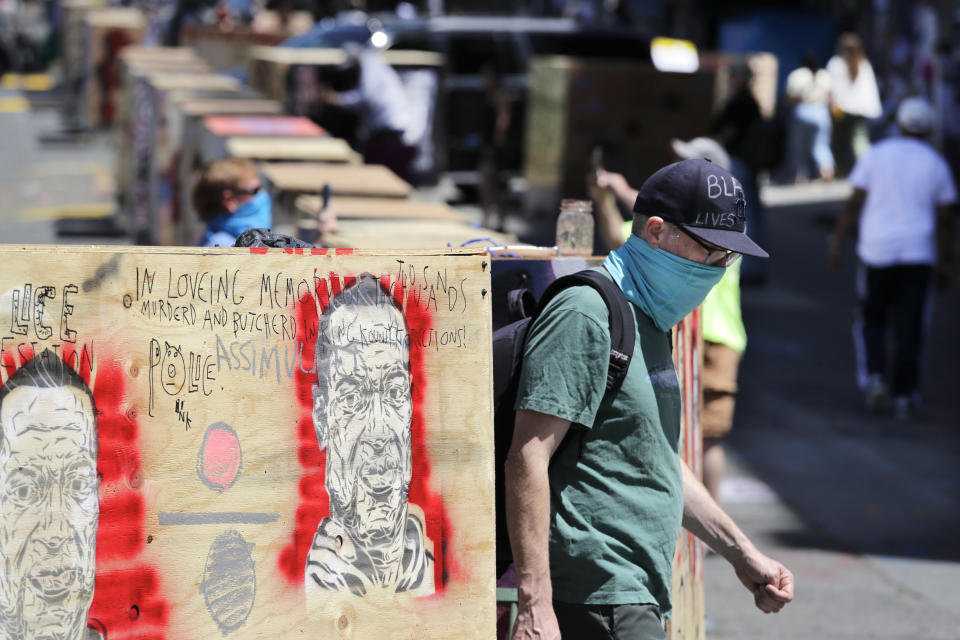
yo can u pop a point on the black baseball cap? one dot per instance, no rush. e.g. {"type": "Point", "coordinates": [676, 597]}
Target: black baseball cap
{"type": "Point", "coordinates": [703, 198]}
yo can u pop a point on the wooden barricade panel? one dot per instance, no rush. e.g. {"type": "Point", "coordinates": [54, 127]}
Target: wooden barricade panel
{"type": "Point", "coordinates": [247, 125]}
{"type": "Point", "coordinates": [245, 444]}
{"type": "Point", "coordinates": [225, 106]}
{"type": "Point", "coordinates": [383, 208]}
{"type": "Point", "coordinates": [369, 180]}
{"type": "Point", "coordinates": [687, 622]}
{"type": "Point", "coordinates": [420, 234]}
{"type": "Point", "coordinates": [286, 148]}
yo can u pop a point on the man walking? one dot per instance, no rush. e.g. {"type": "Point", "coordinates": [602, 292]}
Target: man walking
{"type": "Point", "coordinates": [596, 492]}
{"type": "Point", "coordinates": [901, 204]}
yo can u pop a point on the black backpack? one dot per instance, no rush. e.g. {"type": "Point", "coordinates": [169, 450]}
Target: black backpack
{"type": "Point", "coordinates": [508, 342]}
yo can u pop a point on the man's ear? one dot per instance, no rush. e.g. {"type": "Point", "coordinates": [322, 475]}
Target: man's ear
{"type": "Point", "coordinates": [228, 200]}
{"type": "Point", "coordinates": [655, 231]}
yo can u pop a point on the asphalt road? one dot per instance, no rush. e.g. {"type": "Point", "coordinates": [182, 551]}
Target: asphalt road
{"type": "Point", "coordinates": [865, 510]}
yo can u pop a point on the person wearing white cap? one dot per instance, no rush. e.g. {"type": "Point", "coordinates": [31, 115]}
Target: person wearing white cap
{"type": "Point", "coordinates": [902, 199]}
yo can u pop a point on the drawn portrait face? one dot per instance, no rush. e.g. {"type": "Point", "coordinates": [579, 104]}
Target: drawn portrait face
{"type": "Point", "coordinates": [173, 371]}
{"type": "Point", "coordinates": [48, 511]}
{"type": "Point", "coordinates": [367, 415]}
{"type": "Point", "coordinates": [368, 418]}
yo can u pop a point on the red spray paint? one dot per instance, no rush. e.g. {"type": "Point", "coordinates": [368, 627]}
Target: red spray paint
{"type": "Point", "coordinates": [314, 502]}
{"type": "Point", "coordinates": [127, 599]}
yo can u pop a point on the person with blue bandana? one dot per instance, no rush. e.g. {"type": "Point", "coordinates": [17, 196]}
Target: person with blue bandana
{"type": "Point", "coordinates": [593, 526]}
{"type": "Point", "coordinates": [230, 198]}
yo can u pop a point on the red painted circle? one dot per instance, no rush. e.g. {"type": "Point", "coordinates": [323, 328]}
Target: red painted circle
{"type": "Point", "coordinates": [220, 461]}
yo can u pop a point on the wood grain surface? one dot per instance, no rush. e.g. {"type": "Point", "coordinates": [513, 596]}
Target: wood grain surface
{"type": "Point", "coordinates": [382, 208]}
{"type": "Point", "coordinates": [212, 481]}
{"type": "Point", "coordinates": [370, 180]}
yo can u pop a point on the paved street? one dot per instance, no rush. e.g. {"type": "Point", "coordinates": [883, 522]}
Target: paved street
{"type": "Point", "coordinates": [45, 176]}
{"type": "Point", "coordinates": [864, 510]}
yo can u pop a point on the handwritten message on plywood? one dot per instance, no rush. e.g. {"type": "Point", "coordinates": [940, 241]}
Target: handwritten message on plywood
{"type": "Point", "coordinates": [245, 444]}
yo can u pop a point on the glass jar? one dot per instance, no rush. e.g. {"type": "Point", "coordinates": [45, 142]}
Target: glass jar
{"type": "Point", "coordinates": [575, 228]}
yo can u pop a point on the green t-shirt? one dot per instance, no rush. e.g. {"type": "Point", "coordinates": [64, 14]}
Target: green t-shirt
{"type": "Point", "coordinates": [616, 496]}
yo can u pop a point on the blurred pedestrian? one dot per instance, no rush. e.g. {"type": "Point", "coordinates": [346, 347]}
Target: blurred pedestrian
{"type": "Point", "coordinates": [949, 94]}
{"type": "Point", "coordinates": [854, 100]}
{"type": "Point", "coordinates": [496, 125]}
{"type": "Point", "coordinates": [808, 91]}
{"type": "Point", "coordinates": [724, 334]}
{"type": "Point", "coordinates": [393, 125]}
{"type": "Point", "coordinates": [230, 198]}
{"type": "Point", "coordinates": [739, 127]}
{"type": "Point", "coordinates": [902, 208]}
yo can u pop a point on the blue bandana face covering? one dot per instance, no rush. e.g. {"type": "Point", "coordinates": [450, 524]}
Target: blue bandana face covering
{"type": "Point", "coordinates": [253, 214]}
{"type": "Point", "coordinates": [665, 286]}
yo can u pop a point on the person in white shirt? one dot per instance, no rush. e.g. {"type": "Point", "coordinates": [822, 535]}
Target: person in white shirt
{"type": "Point", "coordinates": [808, 89]}
{"type": "Point", "coordinates": [395, 121]}
{"type": "Point", "coordinates": [902, 205]}
{"type": "Point", "coordinates": [854, 100]}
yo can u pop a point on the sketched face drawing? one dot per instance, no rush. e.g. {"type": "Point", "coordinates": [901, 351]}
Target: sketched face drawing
{"type": "Point", "coordinates": [366, 418]}
{"type": "Point", "coordinates": [49, 506]}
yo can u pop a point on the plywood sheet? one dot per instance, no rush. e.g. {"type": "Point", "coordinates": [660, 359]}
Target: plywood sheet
{"type": "Point", "coordinates": [373, 234]}
{"type": "Point", "coordinates": [166, 81]}
{"type": "Point", "coordinates": [334, 56]}
{"type": "Point", "coordinates": [307, 149]}
{"type": "Point", "coordinates": [146, 53]}
{"type": "Point", "coordinates": [244, 444]}
{"type": "Point", "coordinates": [375, 181]}
{"type": "Point", "coordinates": [230, 107]}
{"type": "Point", "coordinates": [261, 126]}
{"type": "Point", "coordinates": [687, 622]}
{"type": "Point", "coordinates": [383, 208]}
{"type": "Point", "coordinates": [575, 103]}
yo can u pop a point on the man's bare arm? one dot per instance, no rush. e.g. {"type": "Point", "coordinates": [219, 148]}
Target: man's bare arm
{"type": "Point", "coordinates": [609, 220]}
{"type": "Point", "coordinates": [626, 194]}
{"type": "Point", "coordinates": [770, 582]}
{"type": "Point", "coordinates": [946, 264]}
{"type": "Point", "coordinates": [535, 439]}
{"type": "Point", "coordinates": [605, 189]}
{"type": "Point", "coordinates": [847, 221]}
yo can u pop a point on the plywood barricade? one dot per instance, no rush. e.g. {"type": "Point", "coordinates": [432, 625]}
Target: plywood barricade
{"type": "Point", "coordinates": [148, 204]}
{"type": "Point", "coordinates": [245, 444]}
{"type": "Point", "coordinates": [535, 275]}
{"type": "Point", "coordinates": [382, 209]}
{"type": "Point", "coordinates": [634, 104]}
{"type": "Point", "coordinates": [92, 39]}
{"type": "Point", "coordinates": [688, 595]}
{"type": "Point", "coordinates": [188, 115]}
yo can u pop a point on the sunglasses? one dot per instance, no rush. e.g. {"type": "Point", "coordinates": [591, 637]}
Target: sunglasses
{"type": "Point", "coordinates": [725, 258]}
{"type": "Point", "coordinates": [248, 192]}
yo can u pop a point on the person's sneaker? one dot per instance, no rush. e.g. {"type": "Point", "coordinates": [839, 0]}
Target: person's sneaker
{"type": "Point", "coordinates": [902, 408]}
{"type": "Point", "coordinates": [877, 398]}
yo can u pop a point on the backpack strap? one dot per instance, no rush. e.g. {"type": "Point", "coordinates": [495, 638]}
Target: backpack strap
{"type": "Point", "coordinates": [622, 322]}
